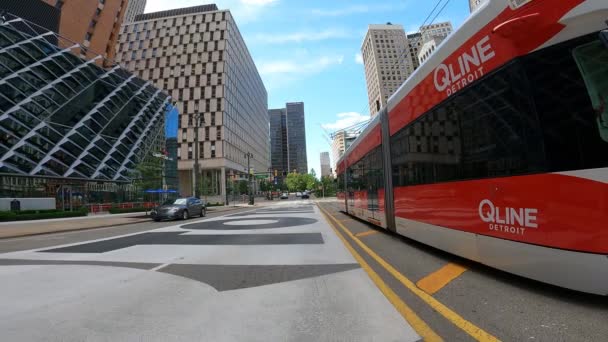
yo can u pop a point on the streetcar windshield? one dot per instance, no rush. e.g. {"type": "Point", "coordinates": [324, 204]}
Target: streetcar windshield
{"type": "Point", "coordinates": [592, 61]}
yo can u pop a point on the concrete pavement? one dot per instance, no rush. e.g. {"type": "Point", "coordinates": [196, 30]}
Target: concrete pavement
{"type": "Point", "coordinates": [277, 273]}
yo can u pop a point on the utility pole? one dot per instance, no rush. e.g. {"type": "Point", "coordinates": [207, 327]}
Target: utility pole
{"type": "Point", "coordinates": [249, 155]}
{"type": "Point", "coordinates": [197, 117]}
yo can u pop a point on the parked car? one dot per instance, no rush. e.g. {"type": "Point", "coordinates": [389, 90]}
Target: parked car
{"type": "Point", "coordinates": [305, 195]}
{"type": "Point", "coordinates": [284, 195]}
{"type": "Point", "coordinates": [298, 194]}
{"type": "Point", "coordinates": [181, 208]}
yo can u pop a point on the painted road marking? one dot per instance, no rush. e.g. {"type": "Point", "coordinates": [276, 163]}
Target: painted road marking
{"type": "Point", "coordinates": [440, 278]}
{"type": "Point", "coordinates": [468, 327]}
{"type": "Point", "coordinates": [406, 312]}
{"type": "Point", "coordinates": [369, 232]}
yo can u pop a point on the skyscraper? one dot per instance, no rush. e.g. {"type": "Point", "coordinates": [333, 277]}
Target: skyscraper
{"type": "Point", "coordinates": [325, 165]}
{"type": "Point", "coordinates": [134, 8]}
{"type": "Point", "coordinates": [288, 139]}
{"type": "Point", "coordinates": [94, 24]}
{"type": "Point", "coordinates": [387, 63]}
{"type": "Point", "coordinates": [390, 56]}
{"type": "Point", "coordinates": [296, 137]}
{"type": "Point", "coordinates": [473, 4]}
{"type": "Point", "coordinates": [278, 141]}
{"type": "Point", "coordinates": [432, 35]}
{"type": "Point", "coordinates": [198, 55]}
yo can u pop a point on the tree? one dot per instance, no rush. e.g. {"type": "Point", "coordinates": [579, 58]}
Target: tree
{"type": "Point", "coordinates": [292, 182]}
{"type": "Point", "coordinates": [329, 186]}
{"type": "Point", "coordinates": [148, 174]}
{"type": "Point", "coordinates": [310, 182]}
{"type": "Point", "coordinates": [313, 173]}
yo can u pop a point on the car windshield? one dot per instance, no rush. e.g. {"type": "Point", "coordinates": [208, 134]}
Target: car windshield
{"type": "Point", "coordinates": [181, 201]}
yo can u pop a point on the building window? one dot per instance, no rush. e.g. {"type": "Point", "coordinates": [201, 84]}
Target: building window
{"type": "Point", "coordinates": [219, 133]}
{"type": "Point", "coordinates": [213, 149]}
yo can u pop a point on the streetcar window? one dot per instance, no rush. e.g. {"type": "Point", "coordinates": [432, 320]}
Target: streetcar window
{"type": "Point", "coordinates": [570, 90]}
{"type": "Point", "coordinates": [592, 61]}
{"type": "Point", "coordinates": [487, 130]}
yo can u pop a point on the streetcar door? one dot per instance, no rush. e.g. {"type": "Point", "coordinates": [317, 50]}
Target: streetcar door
{"type": "Point", "coordinates": [375, 182]}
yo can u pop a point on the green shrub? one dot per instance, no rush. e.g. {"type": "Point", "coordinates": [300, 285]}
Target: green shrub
{"type": "Point", "coordinates": [43, 211]}
{"type": "Point", "coordinates": [127, 210]}
{"type": "Point", "coordinates": [32, 215]}
{"type": "Point", "coordinates": [7, 216]}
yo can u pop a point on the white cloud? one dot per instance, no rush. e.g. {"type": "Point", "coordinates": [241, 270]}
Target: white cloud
{"type": "Point", "coordinates": [299, 67]}
{"type": "Point", "coordinates": [258, 2]}
{"type": "Point", "coordinates": [345, 120]}
{"type": "Point", "coordinates": [243, 10]}
{"type": "Point", "coordinates": [303, 36]}
{"type": "Point", "coordinates": [358, 58]}
{"type": "Point", "coordinates": [356, 9]}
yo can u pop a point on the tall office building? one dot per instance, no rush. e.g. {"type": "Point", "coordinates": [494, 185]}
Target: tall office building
{"type": "Point", "coordinates": [432, 35]}
{"type": "Point", "coordinates": [414, 44]}
{"type": "Point", "coordinates": [93, 23]}
{"type": "Point", "coordinates": [383, 50]}
{"type": "Point", "coordinates": [198, 55]}
{"type": "Point", "coordinates": [278, 142]}
{"type": "Point", "coordinates": [288, 139]}
{"type": "Point", "coordinates": [341, 142]}
{"type": "Point", "coordinates": [390, 56]}
{"type": "Point", "coordinates": [134, 8]}
{"type": "Point", "coordinates": [325, 165]}
{"type": "Point", "coordinates": [296, 137]}
{"type": "Point", "coordinates": [473, 4]}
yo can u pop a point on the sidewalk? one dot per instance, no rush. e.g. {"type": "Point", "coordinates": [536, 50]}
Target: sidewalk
{"type": "Point", "coordinates": [25, 228]}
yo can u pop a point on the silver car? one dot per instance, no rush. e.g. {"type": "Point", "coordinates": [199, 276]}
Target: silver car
{"type": "Point", "coordinates": [181, 208]}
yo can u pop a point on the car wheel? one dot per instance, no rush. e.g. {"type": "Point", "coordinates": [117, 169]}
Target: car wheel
{"type": "Point", "coordinates": [203, 212]}
{"type": "Point", "coordinates": [185, 215]}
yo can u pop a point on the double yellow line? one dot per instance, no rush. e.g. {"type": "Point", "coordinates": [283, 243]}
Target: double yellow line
{"type": "Point", "coordinates": [408, 314]}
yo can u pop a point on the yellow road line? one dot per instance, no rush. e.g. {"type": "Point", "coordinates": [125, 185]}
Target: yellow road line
{"type": "Point", "coordinates": [406, 312]}
{"type": "Point", "coordinates": [346, 220]}
{"type": "Point", "coordinates": [440, 278]}
{"type": "Point", "coordinates": [369, 232]}
{"type": "Point", "coordinates": [468, 327]}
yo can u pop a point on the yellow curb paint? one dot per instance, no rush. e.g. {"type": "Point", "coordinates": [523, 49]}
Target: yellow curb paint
{"type": "Point", "coordinates": [440, 278]}
{"type": "Point", "coordinates": [468, 327]}
{"type": "Point", "coordinates": [369, 232]}
{"type": "Point", "coordinates": [406, 312]}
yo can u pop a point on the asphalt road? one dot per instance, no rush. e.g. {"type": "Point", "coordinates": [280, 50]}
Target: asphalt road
{"type": "Point", "coordinates": [278, 273]}
{"type": "Point", "coordinates": [483, 301]}
{"type": "Point", "coordinates": [275, 273]}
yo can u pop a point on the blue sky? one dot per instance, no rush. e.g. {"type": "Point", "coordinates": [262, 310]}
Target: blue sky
{"type": "Point", "coordinates": [307, 51]}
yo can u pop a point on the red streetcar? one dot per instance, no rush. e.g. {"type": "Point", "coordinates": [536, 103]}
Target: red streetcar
{"type": "Point", "coordinates": [496, 148]}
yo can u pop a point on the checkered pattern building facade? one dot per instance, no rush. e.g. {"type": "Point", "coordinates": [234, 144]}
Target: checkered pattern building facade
{"type": "Point", "coordinates": [198, 55]}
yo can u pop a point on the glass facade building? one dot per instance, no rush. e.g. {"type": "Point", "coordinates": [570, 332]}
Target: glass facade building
{"type": "Point", "coordinates": [296, 137]}
{"type": "Point", "coordinates": [65, 120]}
{"type": "Point", "coordinates": [278, 141]}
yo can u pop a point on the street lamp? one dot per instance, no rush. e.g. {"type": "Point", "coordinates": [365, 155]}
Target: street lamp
{"type": "Point", "coordinates": [197, 118]}
{"type": "Point", "coordinates": [249, 155]}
